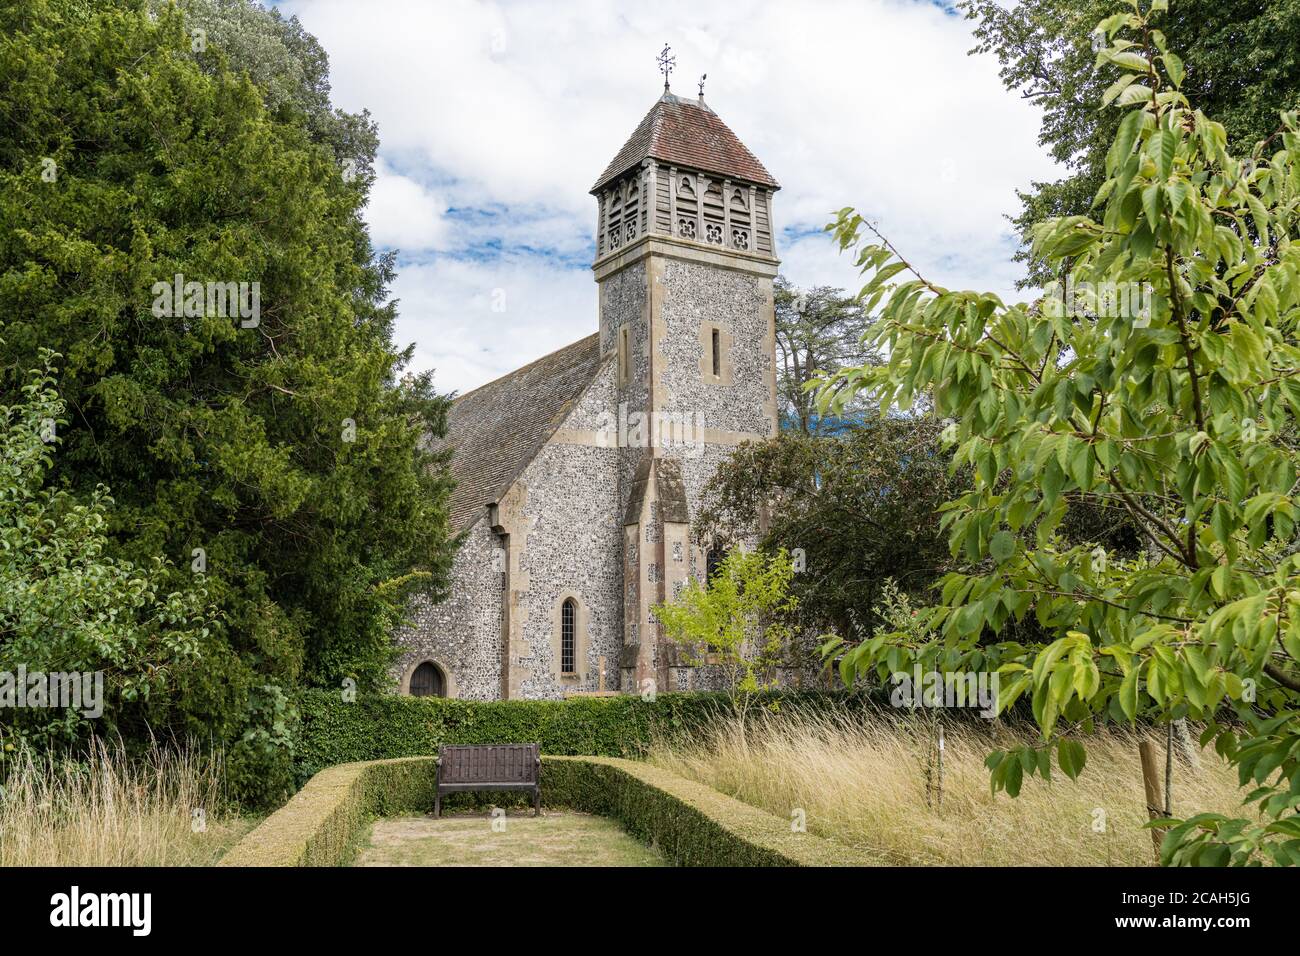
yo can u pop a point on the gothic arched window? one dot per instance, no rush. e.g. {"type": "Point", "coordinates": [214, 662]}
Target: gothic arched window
{"type": "Point", "coordinates": [712, 565]}
{"type": "Point", "coordinates": [712, 561]}
{"type": "Point", "coordinates": [568, 635]}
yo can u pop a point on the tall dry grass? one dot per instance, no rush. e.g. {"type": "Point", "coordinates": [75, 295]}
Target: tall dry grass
{"type": "Point", "coordinates": [109, 809]}
{"type": "Point", "coordinates": [862, 780]}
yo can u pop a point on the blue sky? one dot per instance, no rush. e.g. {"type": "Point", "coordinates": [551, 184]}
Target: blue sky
{"type": "Point", "coordinates": [496, 117]}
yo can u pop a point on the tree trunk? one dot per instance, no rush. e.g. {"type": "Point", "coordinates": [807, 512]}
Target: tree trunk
{"type": "Point", "coordinates": [1185, 745]}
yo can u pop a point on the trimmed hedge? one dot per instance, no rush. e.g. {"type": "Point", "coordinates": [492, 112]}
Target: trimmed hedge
{"type": "Point", "coordinates": [321, 823]}
{"type": "Point", "coordinates": [381, 726]}
{"type": "Point", "coordinates": [691, 824]}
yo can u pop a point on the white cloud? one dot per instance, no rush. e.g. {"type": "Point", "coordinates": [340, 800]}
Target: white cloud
{"type": "Point", "coordinates": [472, 321]}
{"type": "Point", "coordinates": [402, 214]}
{"type": "Point", "coordinates": [512, 109]}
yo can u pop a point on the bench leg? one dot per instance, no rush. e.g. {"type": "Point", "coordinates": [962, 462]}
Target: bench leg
{"type": "Point", "coordinates": [437, 805]}
{"type": "Point", "coordinates": [537, 802]}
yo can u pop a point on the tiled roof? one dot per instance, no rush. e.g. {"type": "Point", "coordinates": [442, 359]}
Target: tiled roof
{"type": "Point", "coordinates": [687, 133]}
{"type": "Point", "coordinates": [497, 429]}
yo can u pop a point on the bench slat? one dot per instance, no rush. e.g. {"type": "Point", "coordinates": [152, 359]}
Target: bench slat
{"type": "Point", "coordinates": [494, 766]}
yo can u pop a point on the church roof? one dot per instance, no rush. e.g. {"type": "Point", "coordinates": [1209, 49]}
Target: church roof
{"type": "Point", "coordinates": [687, 133]}
{"type": "Point", "coordinates": [497, 429]}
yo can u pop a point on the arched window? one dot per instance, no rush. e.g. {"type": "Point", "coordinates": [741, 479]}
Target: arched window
{"type": "Point", "coordinates": [568, 635]}
{"type": "Point", "coordinates": [712, 561]}
{"type": "Point", "coordinates": [712, 565]}
{"type": "Point", "coordinates": [427, 681]}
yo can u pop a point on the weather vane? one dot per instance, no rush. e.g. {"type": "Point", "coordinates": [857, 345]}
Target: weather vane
{"type": "Point", "coordinates": [666, 63]}
{"type": "Point", "coordinates": [702, 79]}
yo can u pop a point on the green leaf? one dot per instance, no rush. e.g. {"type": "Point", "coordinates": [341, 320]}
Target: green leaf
{"type": "Point", "coordinates": [1174, 67]}
{"type": "Point", "coordinates": [1167, 146]}
{"type": "Point", "coordinates": [1136, 93]}
{"type": "Point", "coordinates": [1014, 777]}
{"type": "Point", "coordinates": [1128, 692]}
{"type": "Point", "coordinates": [1118, 87]}
{"type": "Point", "coordinates": [1071, 757]}
{"type": "Point", "coordinates": [1002, 546]}
{"type": "Point", "coordinates": [1130, 61]}
{"type": "Point", "coordinates": [1151, 204]}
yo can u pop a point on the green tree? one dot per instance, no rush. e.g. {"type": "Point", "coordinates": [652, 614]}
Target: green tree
{"type": "Point", "coordinates": [855, 509]}
{"type": "Point", "coordinates": [283, 453]}
{"type": "Point", "coordinates": [68, 608]}
{"type": "Point", "coordinates": [818, 330]}
{"type": "Point", "coordinates": [1165, 381]}
{"type": "Point", "coordinates": [1241, 61]}
{"type": "Point", "coordinates": [287, 64]}
{"type": "Point", "coordinates": [736, 620]}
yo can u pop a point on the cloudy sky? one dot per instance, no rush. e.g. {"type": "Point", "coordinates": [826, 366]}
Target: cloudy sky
{"type": "Point", "coordinates": [496, 117]}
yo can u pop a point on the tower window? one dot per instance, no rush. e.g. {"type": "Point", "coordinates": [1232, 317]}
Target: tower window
{"type": "Point", "coordinates": [624, 355]}
{"type": "Point", "coordinates": [568, 635]}
{"type": "Point", "coordinates": [715, 361]}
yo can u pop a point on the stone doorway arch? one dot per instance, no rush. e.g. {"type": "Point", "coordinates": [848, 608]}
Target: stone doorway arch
{"type": "Point", "coordinates": [428, 678]}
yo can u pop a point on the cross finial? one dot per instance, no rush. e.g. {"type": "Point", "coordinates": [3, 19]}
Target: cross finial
{"type": "Point", "coordinates": [702, 79]}
{"type": "Point", "coordinates": [666, 63]}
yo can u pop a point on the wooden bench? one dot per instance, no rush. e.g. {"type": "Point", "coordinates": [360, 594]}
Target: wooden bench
{"type": "Point", "coordinates": [493, 767]}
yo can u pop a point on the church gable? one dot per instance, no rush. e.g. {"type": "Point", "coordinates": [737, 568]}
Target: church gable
{"type": "Point", "coordinates": [563, 545]}
{"type": "Point", "coordinates": [497, 429]}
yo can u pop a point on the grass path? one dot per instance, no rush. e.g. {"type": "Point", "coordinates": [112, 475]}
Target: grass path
{"type": "Point", "coordinates": [554, 839]}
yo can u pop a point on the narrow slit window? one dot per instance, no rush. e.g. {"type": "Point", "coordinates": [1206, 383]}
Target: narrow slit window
{"type": "Point", "coordinates": [717, 353]}
{"type": "Point", "coordinates": [568, 616]}
{"type": "Point", "coordinates": [624, 360]}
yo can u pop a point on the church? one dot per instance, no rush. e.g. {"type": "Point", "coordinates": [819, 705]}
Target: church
{"type": "Point", "coordinates": [578, 475]}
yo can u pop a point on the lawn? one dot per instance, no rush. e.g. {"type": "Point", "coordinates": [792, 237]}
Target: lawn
{"type": "Point", "coordinates": [554, 839]}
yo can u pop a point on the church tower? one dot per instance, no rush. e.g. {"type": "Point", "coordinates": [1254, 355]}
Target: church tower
{"type": "Point", "coordinates": [685, 258]}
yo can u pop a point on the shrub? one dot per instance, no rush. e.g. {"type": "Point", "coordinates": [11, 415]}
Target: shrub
{"type": "Point", "coordinates": [66, 606]}
{"type": "Point", "coordinates": [691, 824]}
{"type": "Point", "coordinates": [320, 825]}
{"type": "Point", "coordinates": [376, 727]}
